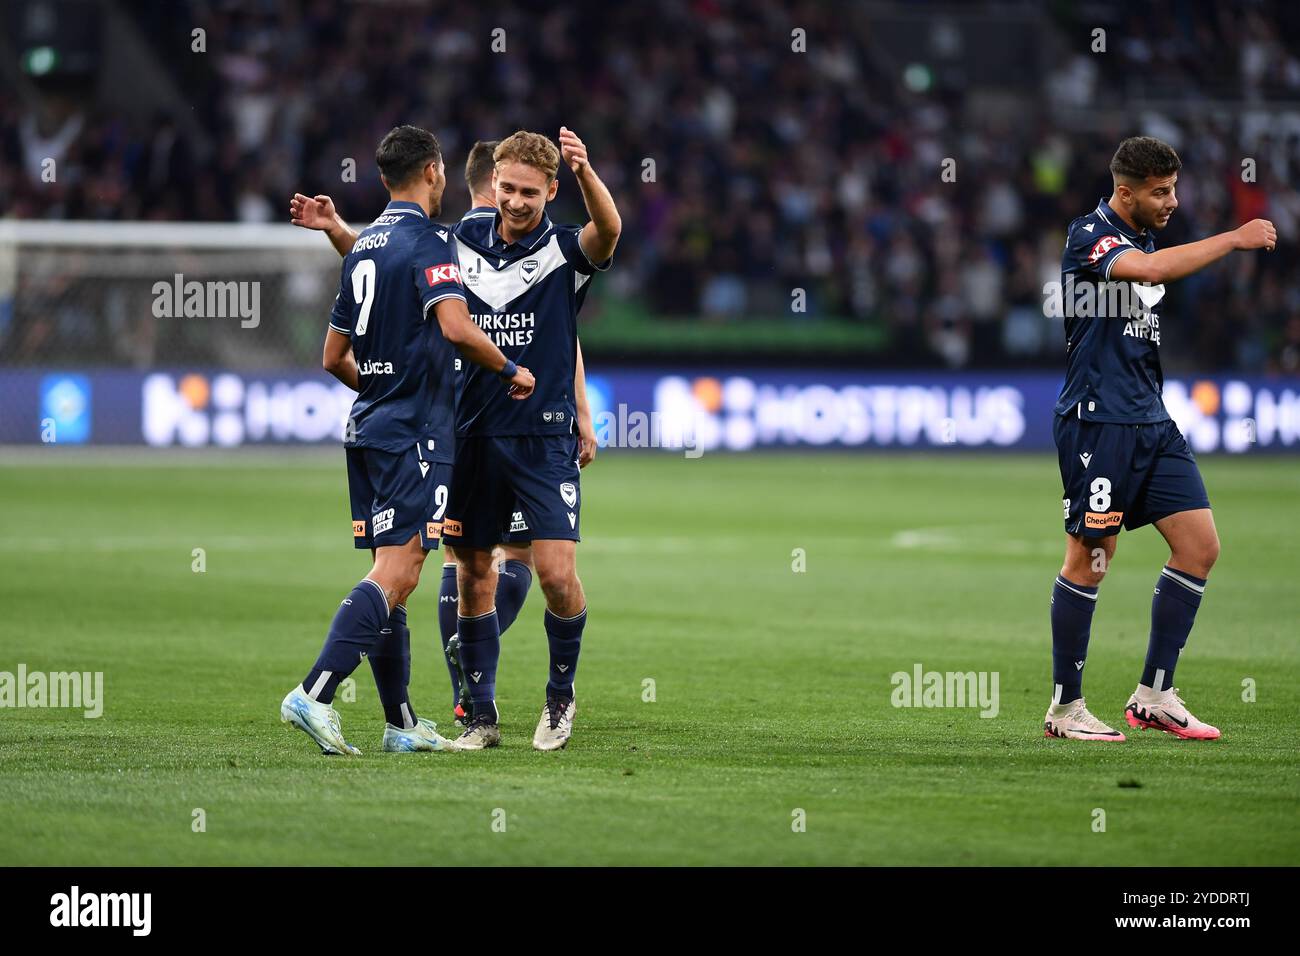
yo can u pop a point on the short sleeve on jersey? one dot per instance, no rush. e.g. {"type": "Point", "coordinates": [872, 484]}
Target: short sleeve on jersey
{"type": "Point", "coordinates": [435, 269]}
{"type": "Point", "coordinates": [341, 315]}
{"type": "Point", "coordinates": [1098, 250]}
{"type": "Point", "coordinates": [571, 246]}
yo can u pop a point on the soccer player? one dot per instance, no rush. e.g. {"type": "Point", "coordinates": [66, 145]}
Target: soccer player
{"type": "Point", "coordinates": [526, 278]}
{"type": "Point", "coordinates": [1122, 460]}
{"type": "Point", "coordinates": [515, 569]}
{"type": "Point", "coordinates": [400, 434]}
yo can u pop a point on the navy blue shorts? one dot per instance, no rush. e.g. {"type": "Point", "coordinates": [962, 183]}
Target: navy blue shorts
{"type": "Point", "coordinates": [514, 489]}
{"type": "Point", "coordinates": [394, 495]}
{"type": "Point", "coordinates": [1115, 474]}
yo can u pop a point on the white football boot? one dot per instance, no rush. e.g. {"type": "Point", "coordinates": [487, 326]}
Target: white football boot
{"type": "Point", "coordinates": [1072, 721]}
{"type": "Point", "coordinates": [318, 721]}
{"type": "Point", "coordinates": [556, 726]}
{"type": "Point", "coordinates": [481, 732]}
{"type": "Point", "coordinates": [423, 736]}
{"type": "Point", "coordinates": [1165, 710]}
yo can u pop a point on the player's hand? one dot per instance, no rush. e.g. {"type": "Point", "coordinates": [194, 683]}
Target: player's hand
{"type": "Point", "coordinates": [1257, 234]}
{"type": "Point", "coordinates": [573, 151]}
{"type": "Point", "coordinates": [522, 385]}
{"type": "Point", "coordinates": [312, 213]}
{"type": "Point", "coordinates": [586, 441]}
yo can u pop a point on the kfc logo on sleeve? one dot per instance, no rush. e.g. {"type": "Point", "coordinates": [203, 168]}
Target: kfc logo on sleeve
{"type": "Point", "coordinates": [1104, 245]}
{"type": "Point", "coordinates": [437, 275]}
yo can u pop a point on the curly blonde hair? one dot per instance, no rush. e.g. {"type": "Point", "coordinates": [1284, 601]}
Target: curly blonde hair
{"type": "Point", "coordinates": [531, 149]}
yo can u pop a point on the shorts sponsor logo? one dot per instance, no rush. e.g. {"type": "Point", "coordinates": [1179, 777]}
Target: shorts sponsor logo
{"type": "Point", "coordinates": [569, 492]}
{"type": "Point", "coordinates": [375, 368]}
{"type": "Point", "coordinates": [358, 529]}
{"type": "Point", "coordinates": [383, 520]}
{"type": "Point", "coordinates": [452, 527]}
{"type": "Point", "coordinates": [437, 275]}
{"type": "Point", "coordinates": [517, 522]}
{"type": "Point", "coordinates": [1109, 519]}
{"type": "Point", "coordinates": [433, 529]}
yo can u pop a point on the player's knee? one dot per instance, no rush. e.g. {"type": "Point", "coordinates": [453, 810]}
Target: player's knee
{"type": "Point", "coordinates": [405, 583]}
{"type": "Point", "coordinates": [559, 585]}
{"type": "Point", "coordinates": [1202, 559]}
{"type": "Point", "coordinates": [1212, 549]}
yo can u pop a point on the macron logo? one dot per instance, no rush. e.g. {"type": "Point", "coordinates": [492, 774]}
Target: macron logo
{"type": "Point", "coordinates": [1086, 457]}
{"type": "Point", "coordinates": [442, 234]}
{"type": "Point", "coordinates": [102, 909]}
{"type": "Point", "coordinates": [1078, 665]}
{"type": "Point", "coordinates": [1089, 227]}
{"type": "Point", "coordinates": [476, 675]}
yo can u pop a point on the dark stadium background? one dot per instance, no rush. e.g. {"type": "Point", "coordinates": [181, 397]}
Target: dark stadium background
{"type": "Point", "coordinates": [774, 170]}
{"type": "Point", "coordinates": [801, 273]}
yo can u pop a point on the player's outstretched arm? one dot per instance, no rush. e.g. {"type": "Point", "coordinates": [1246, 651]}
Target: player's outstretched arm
{"type": "Point", "coordinates": [319, 213]}
{"type": "Point", "coordinates": [598, 237]}
{"type": "Point", "coordinates": [1166, 265]}
{"type": "Point", "coordinates": [586, 430]}
{"type": "Point", "coordinates": [472, 342]}
{"type": "Point", "coordinates": [339, 359]}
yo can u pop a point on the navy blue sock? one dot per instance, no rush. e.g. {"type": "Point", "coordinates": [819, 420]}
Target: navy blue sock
{"type": "Point", "coordinates": [513, 581]}
{"type": "Point", "coordinates": [1173, 611]}
{"type": "Point", "coordinates": [354, 632]}
{"type": "Point", "coordinates": [1072, 607]}
{"type": "Point", "coordinates": [564, 634]}
{"type": "Point", "coordinates": [448, 602]}
{"type": "Point", "coordinates": [480, 649]}
{"type": "Point", "coordinates": [390, 662]}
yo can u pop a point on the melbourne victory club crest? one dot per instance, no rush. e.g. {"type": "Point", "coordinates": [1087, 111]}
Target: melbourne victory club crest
{"type": "Point", "coordinates": [528, 269]}
{"type": "Point", "coordinates": [569, 492]}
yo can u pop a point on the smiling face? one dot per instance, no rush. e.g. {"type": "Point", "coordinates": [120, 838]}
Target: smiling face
{"type": "Point", "coordinates": [1151, 202]}
{"type": "Point", "coordinates": [522, 192]}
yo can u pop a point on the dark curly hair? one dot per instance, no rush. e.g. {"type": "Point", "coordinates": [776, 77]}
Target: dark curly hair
{"type": "Point", "coordinates": [1141, 156]}
{"type": "Point", "coordinates": [404, 152]}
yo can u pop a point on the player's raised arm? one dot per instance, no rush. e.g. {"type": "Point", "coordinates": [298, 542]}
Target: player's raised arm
{"type": "Point", "coordinates": [319, 213]}
{"type": "Point", "coordinates": [473, 343]}
{"type": "Point", "coordinates": [600, 236]}
{"type": "Point", "coordinates": [1166, 265]}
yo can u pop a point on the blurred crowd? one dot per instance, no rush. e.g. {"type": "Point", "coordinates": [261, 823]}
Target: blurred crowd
{"type": "Point", "coordinates": [907, 196]}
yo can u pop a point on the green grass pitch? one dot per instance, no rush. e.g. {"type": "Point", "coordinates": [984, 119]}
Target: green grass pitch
{"type": "Point", "coordinates": [772, 689]}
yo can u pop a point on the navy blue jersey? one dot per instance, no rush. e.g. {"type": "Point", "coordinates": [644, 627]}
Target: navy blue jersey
{"type": "Point", "coordinates": [525, 295]}
{"type": "Point", "coordinates": [400, 265]}
{"type": "Point", "coordinates": [1112, 334]}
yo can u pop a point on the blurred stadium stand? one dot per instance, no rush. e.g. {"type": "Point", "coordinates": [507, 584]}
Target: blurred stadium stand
{"type": "Point", "coordinates": [774, 170]}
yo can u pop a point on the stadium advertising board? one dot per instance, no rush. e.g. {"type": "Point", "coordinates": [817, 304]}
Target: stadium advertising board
{"type": "Point", "coordinates": [693, 412]}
